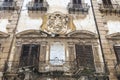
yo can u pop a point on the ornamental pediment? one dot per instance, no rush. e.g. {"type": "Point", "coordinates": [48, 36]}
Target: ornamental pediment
{"type": "Point", "coordinates": [113, 36]}
{"type": "Point", "coordinates": [3, 35]}
{"type": "Point", "coordinates": [31, 33]}
{"type": "Point", "coordinates": [82, 34]}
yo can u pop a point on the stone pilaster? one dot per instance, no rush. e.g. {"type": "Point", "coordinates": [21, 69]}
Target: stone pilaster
{"type": "Point", "coordinates": [105, 45]}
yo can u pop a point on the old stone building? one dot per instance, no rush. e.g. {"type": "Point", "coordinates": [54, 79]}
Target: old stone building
{"type": "Point", "coordinates": [59, 39]}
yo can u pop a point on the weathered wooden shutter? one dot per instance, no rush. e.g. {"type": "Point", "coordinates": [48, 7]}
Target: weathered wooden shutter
{"type": "Point", "coordinates": [29, 55]}
{"type": "Point", "coordinates": [117, 52]}
{"type": "Point", "coordinates": [89, 56]}
{"type": "Point", "coordinates": [84, 55]}
{"type": "Point", "coordinates": [80, 57]}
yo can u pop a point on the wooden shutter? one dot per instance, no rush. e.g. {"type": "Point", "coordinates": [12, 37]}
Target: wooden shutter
{"type": "Point", "coordinates": [89, 56]}
{"type": "Point", "coordinates": [29, 55]}
{"type": "Point", "coordinates": [80, 57]}
{"type": "Point", "coordinates": [117, 52]}
{"type": "Point", "coordinates": [84, 55]}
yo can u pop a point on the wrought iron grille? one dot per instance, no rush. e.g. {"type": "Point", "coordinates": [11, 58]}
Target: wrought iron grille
{"type": "Point", "coordinates": [107, 6]}
{"type": "Point", "coordinates": [37, 6]}
{"type": "Point", "coordinates": [7, 5]}
{"type": "Point", "coordinates": [78, 8]}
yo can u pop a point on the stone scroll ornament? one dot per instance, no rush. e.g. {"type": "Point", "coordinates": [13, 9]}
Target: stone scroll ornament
{"type": "Point", "coordinates": [57, 23]}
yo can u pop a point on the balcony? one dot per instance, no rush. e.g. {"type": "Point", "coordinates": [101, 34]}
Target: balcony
{"type": "Point", "coordinates": [43, 7]}
{"type": "Point", "coordinates": [7, 5]}
{"type": "Point", "coordinates": [68, 69]}
{"type": "Point", "coordinates": [78, 8]}
{"type": "Point", "coordinates": [114, 8]}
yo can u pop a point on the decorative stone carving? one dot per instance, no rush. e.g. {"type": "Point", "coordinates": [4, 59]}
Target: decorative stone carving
{"type": "Point", "coordinates": [57, 23]}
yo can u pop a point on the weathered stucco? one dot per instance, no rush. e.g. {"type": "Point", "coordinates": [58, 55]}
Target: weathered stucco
{"type": "Point", "coordinates": [3, 25]}
{"type": "Point", "coordinates": [26, 22]}
{"type": "Point", "coordinates": [113, 26]}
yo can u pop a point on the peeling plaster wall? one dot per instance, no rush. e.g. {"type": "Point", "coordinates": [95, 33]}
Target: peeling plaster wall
{"type": "Point", "coordinates": [58, 5]}
{"type": "Point", "coordinates": [25, 22]}
{"type": "Point", "coordinates": [112, 21]}
{"type": "Point", "coordinates": [113, 26]}
{"type": "Point", "coordinates": [86, 23]}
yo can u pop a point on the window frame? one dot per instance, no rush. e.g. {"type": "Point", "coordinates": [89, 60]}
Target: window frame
{"type": "Point", "coordinates": [117, 54]}
{"type": "Point", "coordinates": [29, 55]}
{"type": "Point", "coordinates": [84, 55]}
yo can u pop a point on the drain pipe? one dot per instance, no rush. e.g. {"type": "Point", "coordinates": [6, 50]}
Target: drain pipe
{"type": "Point", "coordinates": [98, 32]}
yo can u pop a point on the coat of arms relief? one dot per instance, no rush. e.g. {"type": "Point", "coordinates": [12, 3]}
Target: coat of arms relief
{"type": "Point", "coordinates": [57, 23]}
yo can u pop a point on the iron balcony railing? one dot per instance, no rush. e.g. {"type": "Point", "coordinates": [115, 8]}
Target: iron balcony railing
{"type": "Point", "coordinates": [37, 6]}
{"type": "Point", "coordinates": [78, 8]}
{"type": "Point", "coordinates": [110, 8]}
{"type": "Point", "coordinates": [68, 68]}
{"type": "Point", "coordinates": [7, 5]}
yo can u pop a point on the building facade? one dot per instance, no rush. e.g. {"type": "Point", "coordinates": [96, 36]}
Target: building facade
{"type": "Point", "coordinates": [59, 40]}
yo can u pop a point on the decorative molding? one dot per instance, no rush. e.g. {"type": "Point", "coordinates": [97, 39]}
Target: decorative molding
{"type": "Point", "coordinates": [31, 33]}
{"type": "Point", "coordinates": [114, 36]}
{"type": "Point", "coordinates": [82, 34]}
{"type": "Point", "coordinates": [3, 35]}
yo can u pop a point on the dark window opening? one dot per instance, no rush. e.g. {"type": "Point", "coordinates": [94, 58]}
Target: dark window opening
{"type": "Point", "coordinates": [117, 52]}
{"type": "Point", "coordinates": [107, 3]}
{"type": "Point", "coordinates": [84, 56]}
{"type": "Point", "coordinates": [8, 0]}
{"type": "Point", "coordinates": [29, 55]}
{"type": "Point", "coordinates": [38, 1]}
{"type": "Point", "coordinates": [76, 1]}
